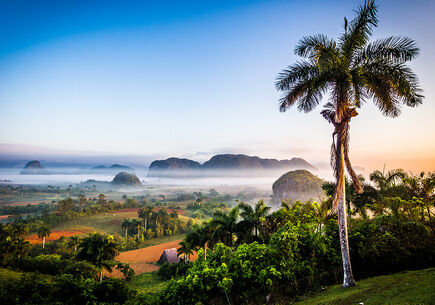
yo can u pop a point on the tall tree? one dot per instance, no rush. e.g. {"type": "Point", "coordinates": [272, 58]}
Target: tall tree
{"type": "Point", "coordinates": [252, 218]}
{"type": "Point", "coordinates": [126, 225]}
{"type": "Point", "coordinates": [144, 214]}
{"type": "Point", "coordinates": [422, 186]}
{"type": "Point", "coordinates": [352, 70]}
{"type": "Point", "coordinates": [185, 249]}
{"type": "Point", "coordinates": [386, 180]}
{"type": "Point", "coordinates": [199, 236]}
{"type": "Point", "coordinates": [74, 242]}
{"type": "Point", "coordinates": [225, 225]}
{"type": "Point", "coordinates": [100, 250]}
{"type": "Point", "coordinates": [43, 232]}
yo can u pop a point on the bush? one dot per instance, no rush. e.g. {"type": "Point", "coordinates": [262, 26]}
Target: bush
{"type": "Point", "coordinates": [82, 269]}
{"type": "Point", "coordinates": [44, 263]}
{"type": "Point", "coordinates": [113, 291]}
{"type": "Point", "coordinates": [168, 271]}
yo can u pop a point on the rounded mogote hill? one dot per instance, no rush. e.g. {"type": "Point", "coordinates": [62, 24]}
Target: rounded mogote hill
{"type": "Point", "coordinates": [124, 178]}
{"type": "Point", "coordinates": [297, 185]}
{"type": "Point", "coordinates": [33, 168]}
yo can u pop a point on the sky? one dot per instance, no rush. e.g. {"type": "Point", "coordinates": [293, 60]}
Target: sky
{"type": "Point", "coordinates": [153, 79]}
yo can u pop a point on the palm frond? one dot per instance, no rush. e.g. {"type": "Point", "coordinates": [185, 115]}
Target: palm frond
{"type": "Point", "coordinates": [359, 30]}
{"type": "Point", "coordinates": [301, 70]}
{"type": "Point", "coordinates": [395, 49]}
{"type": "Point", "coordinates": [312, 46]}
{"type": "Point", "coordinates": [328, 112]}
{"type": "Point", "coordinates": [391, 85]}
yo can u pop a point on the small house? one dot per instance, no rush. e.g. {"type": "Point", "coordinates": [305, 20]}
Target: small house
{"type": "Point", "coordinates": [169, 256]}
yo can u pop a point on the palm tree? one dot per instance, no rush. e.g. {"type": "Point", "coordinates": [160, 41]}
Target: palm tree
{"type": "Point", "coordinates": [74, 241]}
{"type": "Point", "coordinates": [125, 225]}
{"type": "Point", "coordinates": [385, 181]}
{"type": "Point", "coordinates": [43, 232]}
{"type": "Point", "coordinates": [82, 200]}
{"type": "Point", "coordinates": [199, 236]}
{"type": "Point", "coordinates": [225, 225]}
{"type": "Point", "coordinates": [352, 69]}
{"type": "Point", "coordinates": [100, 250]}
{"type": "Point", "coordinates": [136, 224]}
{"type": "Point", "coordinates": [142, 215]}
{"type": "Point", "coordinates": [185, 249]}
{"type": "Point", "coordinates": [252, 218]}
{"type": "Point", "coordinates": [422, 186]}
{"type": "Point", "coordinates": [148, 212]}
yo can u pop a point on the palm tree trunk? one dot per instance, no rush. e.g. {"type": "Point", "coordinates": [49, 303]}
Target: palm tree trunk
{"type": "Point", "coordinates": [126, 233]}
{"type": "Point", "coordinates": [340, 198]}
{"type": "Point", "coordinates": [43, 242]}
{"type": "Point", "coordinates": [146, 223]}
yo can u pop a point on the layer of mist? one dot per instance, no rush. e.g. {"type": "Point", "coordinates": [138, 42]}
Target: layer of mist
{"type": "Point", "coordinates": [60, 176]}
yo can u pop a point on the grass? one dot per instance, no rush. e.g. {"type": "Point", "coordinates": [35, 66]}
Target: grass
{"type": "Point", "coordinates": [162, 240]}
{"type": "Point", "coordinates": [413, 287]}
{"type": "Point", "coordinates": [148, 283]}
{"type": "Point", "coordinates": [105, 222]}
{"type": "Point", "coordinates": [108, 222]}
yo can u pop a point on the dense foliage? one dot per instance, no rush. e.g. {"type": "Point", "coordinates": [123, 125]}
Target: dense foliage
{"type": "Point", "coordinates": [296, 248]}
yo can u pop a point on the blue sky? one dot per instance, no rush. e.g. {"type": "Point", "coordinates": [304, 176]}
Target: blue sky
{"type": "Point", "coordinates": [191, 79]}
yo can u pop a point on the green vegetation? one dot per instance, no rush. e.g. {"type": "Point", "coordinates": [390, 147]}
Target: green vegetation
{"type": "Point", "coordinates": [412, 287]}
{"type": "Point", "coordinates": [8, 274]}
{"type": "Point", "coordinates": [248, 254]}
{"type": "Point", "coordinates": [148, 283]}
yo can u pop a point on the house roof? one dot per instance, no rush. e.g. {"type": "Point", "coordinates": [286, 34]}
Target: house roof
{"type": "Point", "coordinates": [170, 256]}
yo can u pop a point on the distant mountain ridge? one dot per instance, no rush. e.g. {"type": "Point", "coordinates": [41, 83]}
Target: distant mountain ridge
{"type": "Point", "coordinates": [113, 167]}
{"type": "Point", "coordinates": [239, 162]}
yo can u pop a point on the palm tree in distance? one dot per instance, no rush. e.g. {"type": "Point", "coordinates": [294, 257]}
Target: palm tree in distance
{"type": "Point", "coordinates": [185, 249]}
{"type": "Point", "coordinates": [225, 225]}
{"type": "Point", "coordinates": [74, 242]}
{"type": "Point", "coordinates": [384, 181]}
{"type": "Point", "coordinates": [199, 236]}
{"type": "Point", "coordinates": [352, 70]}
{"type": "Point", "coordinates": [99, 250]}
{"type": "Point", "coordinates": [43, 232]}
{"type": "Point", "coordinates": [125, 225]}
{"type": "Point", "coordinates": [252, 217]}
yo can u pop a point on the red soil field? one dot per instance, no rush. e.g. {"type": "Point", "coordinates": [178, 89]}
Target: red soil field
{"type": "Point", "coordinates": [34, 239]}
{"type": "Point", "coordinates": [145, 259]}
